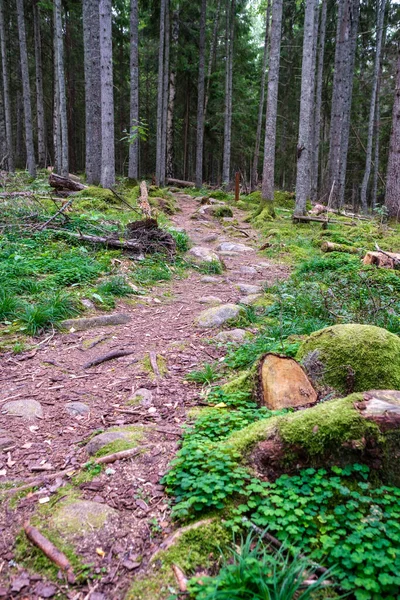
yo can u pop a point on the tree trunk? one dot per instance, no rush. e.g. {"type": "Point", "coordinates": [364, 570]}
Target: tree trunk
{"type": "Point", "coordinates": [346, 37]}
{"type": "Point", "coordinates": [230, 24]}
{"type": "Point", "coordinates": [318, 102]}
{"type": "Point", "coordinates": [56, 106]}
{"type": "Point", "coordinates": [91, 43]}
{"type": "Point", "coordinates": [6, 91]}
{"type": "Point", "coordinates": [211, 58]}
{"type": "Point", "coordinates": [392, 197]}
{"type": "Point", "coordinates": [61, 87]}
{"type": "Point", "coordinates": [200, 96]}
{"type": "Point", "coordinates": [304, 146]}
{"type": "Point", "coordinates": [272, 104]}
{"type": "Point", "coordinates": [41, 133]}
{"type": "Point", "coordinates": [254, 174]}
{"type": "Point", "coordinates": [165, 99]}
{"type": "Point", "coordinates": [160, 90]}
{"type": "Point", "coordinates": [3, 137]}
{"type": "Point", "coordinates": [133, 171]}
{"type": "Point", "coordinates": [26, 90]}
{"type": "Point", "coordinates": [371, 122]}
{"type": "Point", "coordinates": [107, 96]}
{"type": "Point", "coordinates": [172, 93]}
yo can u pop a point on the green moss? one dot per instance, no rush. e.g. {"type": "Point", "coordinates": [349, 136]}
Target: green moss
{"type": "Point", "coordinates": [266, 215]}
{"type": "Point", "coordinates": [117, 446]}
{"type": "Point", "coordinates": [195, 549]}
{"type": "Point", "coordinates": [284, 199]}
{"type": "Point", "coordinates": [241, 383]}
{"type": "Point", "coordinates": [161, 362]}
{"type": "Point", "coordinates": [222, 211]}
{"type": "Point", "coordinates": [353, 357]}
{"type": "Point", "coordinates": [242, 441]}
{"type": "Point", "coordinates": [324, 428]}
{"type": "Point", "coordinates": [77, 516]}
{"type": "Point", "coordinates": [95, 198]}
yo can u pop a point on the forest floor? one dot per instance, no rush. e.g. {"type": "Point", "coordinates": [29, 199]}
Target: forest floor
{"type": "Point", "coordinates": [131, 514]}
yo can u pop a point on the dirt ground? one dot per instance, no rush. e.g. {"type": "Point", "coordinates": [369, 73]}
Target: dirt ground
{"type": "Point", "coordinates": [53, 374]}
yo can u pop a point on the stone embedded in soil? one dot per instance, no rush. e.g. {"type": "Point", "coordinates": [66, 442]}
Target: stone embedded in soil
{"type": "Point", "coordinates": [77, 408]}
{"type": "Point", "coordinates": [5, 439]}
{"type": "Point", "coordinates": [142, 396]}
{"type": "Point", "coordinates": [81, 516]}
{"type": "Point", "coordinates": [88, 303]}
{"type": "Point", "coordinates": [210, 300]}
{"type": "Point", "coordinates": [29, 409]}
{"type": "Point", "coordinates": [247, 288]}
{"type": "Point", "coordinates": [284, 384]}
{"type": "Point", "coordinates": [210, 238]}
{"type": "Point", "coordinates": [103, 439]}
{"type": "Point", "coordinates": [250, 299]}
{"type": "Point", "coordinates": [92, 322]}
{"type": "Point", "coordinates": [210, 279]}
{"type": "Point", "coordinates": [236, 336]}
{"type": "Point", "coordinates": [232, 247]}
{"type": "Point", "coordinates": [218, 315]}
{"type": "Point", "coordinates": [250, 271]}
{"type": "Point", "coordinates": [202, 254]}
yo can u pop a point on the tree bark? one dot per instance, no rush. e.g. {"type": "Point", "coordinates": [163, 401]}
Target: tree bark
{"type": "Point", "coordinates": [318, 102]}
{"type": "Point", "coordinates": [133, 171]}
{"type": "Point", "coordinates": [371, 122]}
{"type": "Point", "coordinates": [254, 174]}
{"type": "Point", "coordinates": [61, 87]}
{"type": "Point", "coordinates": [211, 58]}
{"type": "Point", "coordinates": [200, 96]}
{"type": "Point", "coordinates": [56, 106]}
{"type": "Point", "coordinates": [230, 30]}
{"type": "Point", "coordinates": [392, 197]}
{"type": "Point", "coordinates": [172, 93]}
{"type": "Point", "coordinates": [272, 104]}
{"type": "Point", "coordinates": [6, 91]}
{"type": "Point", "coordinates": [160, 90]}
{"type": "Point", "coordinates": [304, 146]}
{"type": "Point", "coordinates": [26, 91]}
{"type": "Point", "coordinates": [163, 164]}
{"type": "Point", "coordinates": [346, 38]}
{"type": "Point", "coordinates": [107, 95]}
{"type": "Point", "coordinates": [41, 132]}
{"type": "Point", "coordinates": [91, 44]}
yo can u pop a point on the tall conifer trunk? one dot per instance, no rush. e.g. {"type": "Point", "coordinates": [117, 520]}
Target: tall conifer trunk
{"type": "Point", "coordinates": [41, 131]}
{"type": "Point", "coordinates": [230, 31]}
{"type": "Point", "coordinates": [26, 91]}
{"type": "Point", "coordinates": [6, 91]}
{"type": "Point", "coordinates": [200, 96]}
{"type": "Point", "coordinates": [107, 95]}
{"type": "Point", "coordinates": [62, 96]}
{"type": "Point", "coordinates": [134, 104]}
{"type": "Point", "coordinates": [318, 102]}
{"type": "Point", "coordinates": [91, 44]}
{"type": "Point", "coordinates": [172, 92]}
{"type": "Point", "coordinates": [392, 197]}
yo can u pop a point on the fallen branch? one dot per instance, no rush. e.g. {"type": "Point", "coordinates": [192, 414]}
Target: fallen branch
{"type": "Point", "coordinates": [111, 242]}
{"type": "Point", "coordinates": [65, 183]}
{"type": "Point", "coordinates": [180, 182]}
{"type": "Point", "coordinates": [320, 220]}
{"type": "Point", "coordinates": [50, 550]}
{"type": "Point", "coordinates": [110, 458]}
{"type": "Point", "coordinates": [154, 365]}
{"type": "Point", "coordinates": [122, 199]}
{"type": "Point", "coordinates": [106, 357]}
{"type": "Point", "coordinates": [180, 577]}
{"type": "Point", "coordinates": [62, 209]}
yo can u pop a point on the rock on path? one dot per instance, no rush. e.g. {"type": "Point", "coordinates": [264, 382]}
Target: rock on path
{"type": "Point", "coordinates": [218, 315]}
{"type": "Point", "coordinates": [28, 409]}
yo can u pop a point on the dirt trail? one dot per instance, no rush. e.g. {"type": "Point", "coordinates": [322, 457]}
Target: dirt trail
{"type": "Point", "coordinates": [54, 376]}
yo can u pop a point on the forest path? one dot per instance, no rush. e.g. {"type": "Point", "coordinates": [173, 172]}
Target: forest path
{"type": "Point", "coordinates": [130, 515]}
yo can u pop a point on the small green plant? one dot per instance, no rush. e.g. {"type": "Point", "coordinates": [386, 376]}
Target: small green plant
{"type": "Point", "coordinates": [152, 270]}
{"type": "Point", "coordinates": [254, 571]}
{"type": "Point", "coordinates": [8, 305]}
{"type": "Point", "coordinates": [213, 267]}
{"type": "Point", "coordinates": [35, 318]}
{"type": "Point", "coordinates": [115, 286]}
{"type": "Point", "coordinates": [207, 375]}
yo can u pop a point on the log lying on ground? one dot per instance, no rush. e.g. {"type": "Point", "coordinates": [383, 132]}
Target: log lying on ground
{"type": "Point", "coordinates": [332, 247]}
{"type": "Point", "coordinates": [389, 260]}
{"type": "Point", "coordinates": [180, 182]}
{"type": "Point", "coordinates": [65, 183]}
{"type": "Point", "coordinates": [50, 550]}
{"type": "Point", "coordinates": [324, 221]}
{"type": "Point", "coordinates": [16, 194]}
{"type": "Point", "coordinates": [361, 428]}
{"type": "Point", "coordinates": [108, 241]}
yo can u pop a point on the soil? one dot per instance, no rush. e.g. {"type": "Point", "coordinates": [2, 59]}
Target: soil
{"type": "Point", "coordinates": [53, 374]}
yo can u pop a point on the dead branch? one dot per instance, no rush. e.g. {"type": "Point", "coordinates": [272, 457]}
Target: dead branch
{"type": "Point", "coordinates": [390, 255]}
{"type": "Point", "coordinates": [65, 183]}
{"type": "Point", "coordinates": [49, 549]}
{"type": "Point", "coordinates": [110, 458]}
{"type": "Point", "coordinates": [122, 199]}
{"type": "Point", "coordinates": [306, 218]}
{"type": "Point", "coordinates": [106, 357]}
{"type": "Point", "coordinates": [180, 182]}
{"type": "Point", "coordinates": [154, 365]}
{"type": "Point", "coordinates": [16, 194]}
{"type": "Point", "coordinates": [111, 242]}
{"type": "Point", "coordinates": [144, 200]}
{"type": "Point", "coordinates": [61, 210]}
{"type": "Point", "coordinates": [180, 578]}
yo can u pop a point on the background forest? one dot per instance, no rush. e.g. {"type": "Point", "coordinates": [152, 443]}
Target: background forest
{"type": "Point", "coordinates": [162, 66]}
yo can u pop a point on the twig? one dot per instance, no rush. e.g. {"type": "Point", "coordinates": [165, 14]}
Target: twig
{"type": "Point", "coordinates": [122, 199]}
{"type": "Point", "coordinates": [106, 357]}
{"type": "Point", "coordinates": [61, 210]}
{"type": "Point", "coordinates": [110, 458]}
{"type": "Point", "coordinates": [180, 578]}
{"type": "Point", "coordinates": [52, 553]}
{"type": "Point", "coordinates": [154, 365]}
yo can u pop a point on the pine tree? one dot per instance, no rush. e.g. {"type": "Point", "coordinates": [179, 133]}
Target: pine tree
{"type": "Point", "coordinates": [26, 90]}
{"type": "Point", "coordinates": [107, 96]}
{"type": "Point", "coordinates": [41, 130]}
{"type": "Point", "coordinates": [6, 91]}
{"type": "Point", "coordinates": [392, 197]}
{"type": "Point", "coordinates": [134, 105]}
{"type": "Point", "coordinates": [229, 39]}
{"type": "Point", "coordinates": [200, 96]}
{"type": "Point", "coordinates": [62, 97]}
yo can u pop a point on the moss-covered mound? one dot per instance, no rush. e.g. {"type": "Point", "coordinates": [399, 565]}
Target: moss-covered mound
{"type": "Point", "coordinates": [352, 358]}
{"type": "Point", "coordinates": [95, 198]}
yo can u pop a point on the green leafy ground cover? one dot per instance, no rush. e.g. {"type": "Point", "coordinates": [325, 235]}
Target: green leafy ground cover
{"type": "Point", "coordinates": [46, 274]}
{"type": "Point", "coordinates": [342, 518]}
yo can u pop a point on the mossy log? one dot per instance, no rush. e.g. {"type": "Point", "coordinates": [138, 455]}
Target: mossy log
{"type": "Point", "coordinates": [332, 247]}
{"type": "Point", "coordinates": [361, 428]}
{"type": "Point", "coordinates": [389, 260]}
{"type": "Point", "coordinates": [65, 183]}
